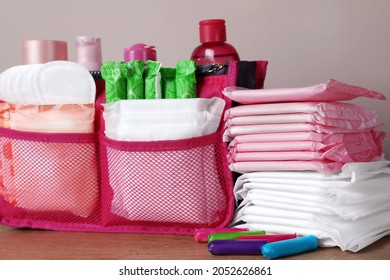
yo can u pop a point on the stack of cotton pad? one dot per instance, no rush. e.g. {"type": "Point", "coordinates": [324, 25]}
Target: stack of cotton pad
{"type": "Point", "coordinates": [57, 96]}
{"type": "Point", "coordinates": [350, 209]}
{"type": "Point", "coordinates": [301, 129]}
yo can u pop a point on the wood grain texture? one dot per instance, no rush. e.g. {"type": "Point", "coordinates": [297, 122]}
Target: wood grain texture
{"type": "Point", "coordinates": [26, 244]}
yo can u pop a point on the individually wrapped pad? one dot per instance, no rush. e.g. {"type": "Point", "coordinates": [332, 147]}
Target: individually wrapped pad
{"type": "Point", "coordinates": [233, 131]}
{"type": "Point", "coordinates": [212, 105]}
{"type": "Point", "coordinates": [334, 110]}
{"type": "Point", "coordinates": [52, 83]}
{"type": "Point", "coordinates": [330, 91]}
{"type": "Point", "coordinates": [362, 150]}
{"type": "Point", "coordinates": [253, 166]}
{"type": "Point", "coordinates": [153, 120]}
{"type": "Point", "coordinates": [327, 139]}
{"type": "Point", "coordinates": [313, 118]}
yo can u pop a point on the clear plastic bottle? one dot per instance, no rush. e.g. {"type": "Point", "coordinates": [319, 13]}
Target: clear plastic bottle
{"type": "Point", "coordinates": [214, 48]}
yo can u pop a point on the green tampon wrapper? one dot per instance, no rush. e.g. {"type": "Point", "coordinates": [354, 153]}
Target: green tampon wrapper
{"type": "Point", "coordinates": [185, 79]}
{"type": "Point", "coordinates": [153, 80]}
{"type": "Point", "coordinates": [232, 235]}
{"type": "Point", "coordinates": [135, 79]}
{"type": "Point", "coordinates": [168, 83]}
{"type": "Point", "coordinates": [114, 74]}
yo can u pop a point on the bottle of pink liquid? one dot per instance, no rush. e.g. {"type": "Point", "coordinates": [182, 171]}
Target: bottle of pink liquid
{"type": "Point", "coordinates": [214, 48]}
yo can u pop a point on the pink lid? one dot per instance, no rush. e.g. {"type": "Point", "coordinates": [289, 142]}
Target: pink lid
{"type": "Point", "coordinates": [42, 51]}
{"type": "Point", "coordinates": [140, 52]}
{"type": "Point", "coordinates": [212, 30]}
{"type": "Point", "coordinates": [89, 52]}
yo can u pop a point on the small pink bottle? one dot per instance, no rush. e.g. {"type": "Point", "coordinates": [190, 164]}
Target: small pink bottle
{"type": "Point", "coordinates": [214, 48]}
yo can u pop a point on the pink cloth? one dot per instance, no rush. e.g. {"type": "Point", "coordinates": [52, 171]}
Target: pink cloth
{"type": "Point", "coordinates": [330, 91]}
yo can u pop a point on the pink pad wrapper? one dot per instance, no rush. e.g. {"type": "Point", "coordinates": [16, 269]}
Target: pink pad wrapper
{"type": "Point", "coordinates": [319, 166]}
{"type": "Point", "coordinates": [355, 147]}
{"type": "Point", "coordinates": [313, 118]}
{"type": "Point", "coordinates": [234, 131]}
{"type": "Point", "coordinates": [324, 138]}
{"type": "Point", "coordinates": [334, 110]}
{"type": "Point", "coordinates": [330, 91]}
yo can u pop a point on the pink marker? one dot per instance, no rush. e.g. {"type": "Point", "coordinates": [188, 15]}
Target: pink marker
{"type": "Point", "coordinates": [202, 234]}
{"type": "Point", "coordinates": [269, 237]}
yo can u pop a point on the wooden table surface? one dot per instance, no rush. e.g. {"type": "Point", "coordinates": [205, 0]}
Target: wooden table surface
{"type": "Point", "coordinates": [26, 244]}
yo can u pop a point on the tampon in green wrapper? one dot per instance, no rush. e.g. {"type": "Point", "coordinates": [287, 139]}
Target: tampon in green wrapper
{"type": "Point", "coordinates": [290, 247]}
{"type": "Point", "coordinates": [185, 79]}
{"type": "Point", "coordinates": [135, 79]}
{"type": "Point", "coordinates": [153, 80]}
{"type": "Point", "coordinates": [168, 82]}
{"type": "Point", "coordinates": [114, 75]}
{"type": "Point", "coordinates": [232, 235]}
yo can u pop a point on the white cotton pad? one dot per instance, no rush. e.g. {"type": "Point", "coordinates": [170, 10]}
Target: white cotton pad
{"type": "Point", "coordinates": [52, 83]}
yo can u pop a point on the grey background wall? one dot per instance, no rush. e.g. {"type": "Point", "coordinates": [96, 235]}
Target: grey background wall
{"type": "Point", "coordinates": [305, 41]}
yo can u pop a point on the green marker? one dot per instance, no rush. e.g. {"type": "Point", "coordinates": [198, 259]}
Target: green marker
{"type": "Point", "coordinates": [232, 235]}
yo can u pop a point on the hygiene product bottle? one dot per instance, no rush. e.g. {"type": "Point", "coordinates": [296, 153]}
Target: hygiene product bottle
{"type": "Point", "coordinates": [214, 48]}
{"type": "Point", "coordinates": [42, 51]}
{"type": "Point", "coordinates": [89, 55]}
{"type": "Point", "coordinates": [140, 52]}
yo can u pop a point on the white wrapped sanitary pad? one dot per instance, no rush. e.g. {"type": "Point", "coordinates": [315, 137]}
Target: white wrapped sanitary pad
{"type": "Point", "coordinates": [162, 119]}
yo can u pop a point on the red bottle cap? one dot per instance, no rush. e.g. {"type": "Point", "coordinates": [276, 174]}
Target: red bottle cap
{"type": "Point", "coordinates": [212, 30]}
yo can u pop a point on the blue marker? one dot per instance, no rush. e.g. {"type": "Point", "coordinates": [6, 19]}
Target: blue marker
{"type": "Point", "coordinates": [290, 247]}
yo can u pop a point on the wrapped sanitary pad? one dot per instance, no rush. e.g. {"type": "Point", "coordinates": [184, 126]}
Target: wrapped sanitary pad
{"type": "Point", "coordinates": [330, 91]}
{"type": "Point", "coordinates": [153, 120]}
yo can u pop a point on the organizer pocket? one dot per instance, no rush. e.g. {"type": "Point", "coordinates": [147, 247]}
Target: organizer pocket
{"type": "Point", "coordinates": [173, 185]}
{"type": "Point", "coordinates": [48, 177]}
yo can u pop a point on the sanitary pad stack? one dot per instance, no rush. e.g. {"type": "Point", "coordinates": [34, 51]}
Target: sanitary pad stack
{"type": "Point", "coordinates": [301, 129]}
{"type": "Point", "coordinates": [312, 164]}
{"type": "Point", "coordinates": [350, 209]}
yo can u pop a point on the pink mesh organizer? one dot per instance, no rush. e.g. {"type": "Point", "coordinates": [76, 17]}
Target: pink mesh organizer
{"type": "Point", "coordinates": [63, 182]}
{"type": "Point", "coordinates": [87, 182]}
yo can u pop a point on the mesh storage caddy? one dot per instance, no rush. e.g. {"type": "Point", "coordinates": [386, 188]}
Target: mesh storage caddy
{"type": "Point", "coordinates": [88, 182]}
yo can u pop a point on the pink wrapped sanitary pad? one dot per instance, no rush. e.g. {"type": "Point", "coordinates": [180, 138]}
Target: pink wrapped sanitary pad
{"type": "Point", "coordinates": [323, 166]}
{"type": "Point", "coordinates": [330, 91]}
{"type": "Point", "coordinates": [233, 131]}
{"type": "Point", "coordinates": [334, 110]}
{"type": "Point", "coordinates": [308, 136]}
{"type": "Point", "coordinates": [314, 118]}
